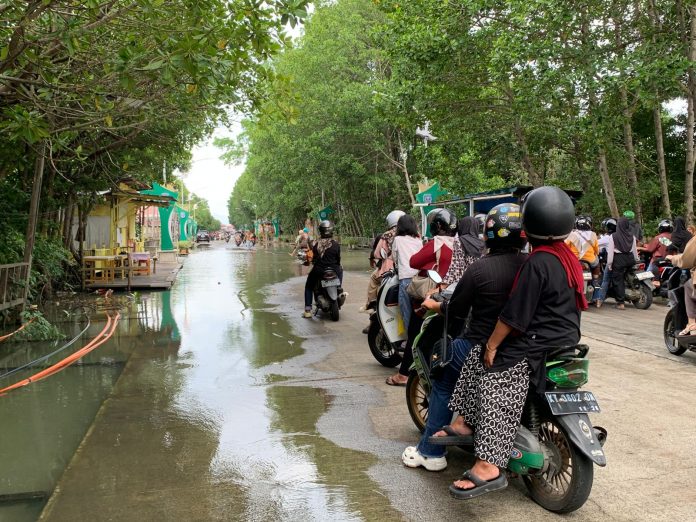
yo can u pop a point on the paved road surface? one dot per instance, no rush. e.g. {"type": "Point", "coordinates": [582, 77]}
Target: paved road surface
{"type": "Point", "coordinates": [645, 393]}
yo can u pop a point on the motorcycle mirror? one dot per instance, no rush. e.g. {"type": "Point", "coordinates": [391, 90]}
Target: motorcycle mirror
{"type": "Point", "coordinates": [435, 277]}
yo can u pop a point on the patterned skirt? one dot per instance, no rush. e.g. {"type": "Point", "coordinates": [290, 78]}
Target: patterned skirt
{"type": "Point", "coordinates": [491, 403]}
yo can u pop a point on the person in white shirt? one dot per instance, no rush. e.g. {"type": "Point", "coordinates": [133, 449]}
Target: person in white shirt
{"type": "Point", "coordinates": [406, 243]}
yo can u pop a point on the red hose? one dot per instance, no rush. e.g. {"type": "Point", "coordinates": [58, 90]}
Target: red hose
{"type": "Point", "coordinates": [111, 324]}
{"type": "Point", "coordinates": [7, 336]}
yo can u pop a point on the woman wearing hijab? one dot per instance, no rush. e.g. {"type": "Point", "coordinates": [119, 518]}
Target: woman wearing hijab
{"type": "Point", "coordinates": [622, 254]}
{"type": "Point", "coordinates": [680, 235]}
{"type": "Point", "coordinates": [465, 251]}
{"type": "Point", "coordinates": [541, 312]}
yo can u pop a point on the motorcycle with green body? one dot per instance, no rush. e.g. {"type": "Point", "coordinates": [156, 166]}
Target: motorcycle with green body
{"type": "Point", "coordinates": [556, 445]}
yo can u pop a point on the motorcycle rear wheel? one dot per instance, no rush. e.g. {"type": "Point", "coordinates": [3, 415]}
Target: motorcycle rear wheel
{"type": "Point", "coordinates": [646, 297]}
{"type": "Point", "coordinates": [381, 348]}
{"type": "Point", "coordinates": [668, 333]}
{"type": "Point", "coordinates": [566, 484]}
{"type": "Point", "coordinates": [417, 401]}
{"type": "Point", "coordinates": [333, 311]}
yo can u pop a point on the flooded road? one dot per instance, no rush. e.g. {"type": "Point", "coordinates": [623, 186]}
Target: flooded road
{"type": "Point", "coordinates": [184, 414]}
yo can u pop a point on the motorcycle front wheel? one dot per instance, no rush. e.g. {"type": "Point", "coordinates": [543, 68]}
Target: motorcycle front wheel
{"type": "Point", "coordinates": [646, 297]}
{"type": "Point", "coordinates": [566, 483]}
{"type": "Point", "coordinates": [381, 348]}
{"type": "Point", "coordinates": [417, 401]}
{"type": "Point", "coordinates": [669, 335]}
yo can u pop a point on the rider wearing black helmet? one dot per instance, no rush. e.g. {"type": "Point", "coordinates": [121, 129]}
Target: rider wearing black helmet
{"type": "Point", "coordinates": [542, 311]}
{"type": "Point", "coordinates": [483, 290]}
{"type": "Point", "coordinates": [657, 247]}
{"type": "Point", "coordinates": [327, 255]}
{"type": "Point", "coordinates": [582, 241]}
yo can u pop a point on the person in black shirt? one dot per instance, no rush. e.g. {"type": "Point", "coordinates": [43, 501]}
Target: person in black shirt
{"type": "Point", "coordinates": [483, 290]}
{"type": "Point", "coordinates": [542, 312]}
{"type": "Point", "coordinates": [327, 255]}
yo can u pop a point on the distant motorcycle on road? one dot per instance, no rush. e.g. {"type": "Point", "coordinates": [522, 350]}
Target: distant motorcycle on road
{"type": "Point", "coordinates": [326, 294]}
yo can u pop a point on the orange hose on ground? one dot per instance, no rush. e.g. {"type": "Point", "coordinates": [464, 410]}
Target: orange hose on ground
{"type": "Point", "coordinates": [100, 339]}
{"type": "Point", "coordinates": [7, 336]}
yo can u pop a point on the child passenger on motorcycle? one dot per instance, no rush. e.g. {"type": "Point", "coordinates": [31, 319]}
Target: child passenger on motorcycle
{"type": "Point", "coordinates": [542, 312]}
{"type": "Point", "coordinates": [327, 255]}
{"type": "Point", "coordinates": [482, 291]}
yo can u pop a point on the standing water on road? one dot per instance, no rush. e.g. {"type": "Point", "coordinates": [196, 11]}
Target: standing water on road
{"type": "Point", "coordinates": [178, 417]}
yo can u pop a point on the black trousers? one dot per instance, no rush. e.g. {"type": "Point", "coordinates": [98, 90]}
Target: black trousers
{"type": "Point", "coordinates": [622, 263]}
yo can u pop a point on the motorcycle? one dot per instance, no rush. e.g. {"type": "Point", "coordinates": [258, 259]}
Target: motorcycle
{"type": "Point", "coordinates": [676, 317]}
{"type": "Point", "coordinates": [387, 329]}
{"type": "Point", "coordinates": [556, 445]}
{"type": "Point", "coordinates": [638, 284]}
{"type": "Point", "coordinates": [665, 270]}
{"type": "Point", "coordinates": [327, 296]}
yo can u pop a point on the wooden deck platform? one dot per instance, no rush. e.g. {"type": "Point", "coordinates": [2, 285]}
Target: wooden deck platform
{"type": "Point", "coordinates": [163, 279]}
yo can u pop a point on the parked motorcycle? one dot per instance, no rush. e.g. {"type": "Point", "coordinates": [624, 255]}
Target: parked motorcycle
{"type": "Point", "coordinates": [556, 444]}
{"type": "Point", "coordinates": [638, 284]}
{"type": "Point", "coordinates": [676, 317]}
{"type": "Point", "coordinates": [387, 330]}
{"type": "Point", "coordinates": [328, 295]}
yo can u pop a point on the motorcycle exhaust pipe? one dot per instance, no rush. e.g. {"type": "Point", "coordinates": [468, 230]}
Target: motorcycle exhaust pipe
{"type": "Point", "coordinates": [601, 434]}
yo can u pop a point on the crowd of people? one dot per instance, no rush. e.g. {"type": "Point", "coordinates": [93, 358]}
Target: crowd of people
{"type": "Point", "coordinates": [519, 292]}
{"type": "Point", "coordinates": [519, 305]}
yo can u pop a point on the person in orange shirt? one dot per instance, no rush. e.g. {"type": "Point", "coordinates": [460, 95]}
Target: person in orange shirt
{"type": "Point", "coordinates": [583, 243]}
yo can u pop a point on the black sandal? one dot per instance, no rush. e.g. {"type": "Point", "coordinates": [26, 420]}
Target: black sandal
{"type": "Point", "coordinates": [481, 487]}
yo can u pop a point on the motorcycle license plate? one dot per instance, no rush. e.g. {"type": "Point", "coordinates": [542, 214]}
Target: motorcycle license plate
{"type": "Point", "coordinates": [567, 403]}
{"type": "Point", "coordinates": [644, 275]}
{"type": "Point", "coordinates": [325, 283]}
{"type": "Point", "coordinates": [587, 276]}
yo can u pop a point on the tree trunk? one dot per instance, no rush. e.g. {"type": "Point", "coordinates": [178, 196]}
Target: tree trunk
{"type": "Point", "coordinates": [34, 211]}
{"type": "Point", "coordinates": [403, 156]}
{"type": "Point", "coordinates": [661, 167]}
{"type": "Point", "coordinates": [630, 152]}
{"type": "Point", "coordinates": [606, 183]}
{"type": "Point", "coordinates": [532, 174]}
{"type": "Point", "coordinates": [691, 95]}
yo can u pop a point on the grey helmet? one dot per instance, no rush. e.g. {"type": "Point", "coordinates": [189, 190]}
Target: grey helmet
{"type": "Point", "coordinates": [393, 217]}
{"type": "Point", "coordinates": [326, 229]}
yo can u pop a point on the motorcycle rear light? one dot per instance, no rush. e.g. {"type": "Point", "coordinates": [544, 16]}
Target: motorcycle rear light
{"type": "Point", "coordinates": [571, 374]}
{"type": "Point", "coordinates": [641, 266]}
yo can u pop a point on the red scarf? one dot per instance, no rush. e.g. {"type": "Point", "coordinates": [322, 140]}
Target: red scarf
{"type": "Point", "coordinates": [570, 264]}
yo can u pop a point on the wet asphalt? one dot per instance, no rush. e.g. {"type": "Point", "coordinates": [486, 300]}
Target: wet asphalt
{"type": "Point", "coordinates": [227, 405]}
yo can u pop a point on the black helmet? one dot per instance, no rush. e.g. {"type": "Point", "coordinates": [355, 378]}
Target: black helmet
{"type": "Point", "coordinates": [481, 218]}
{"type": "Point", "coordinates": [326, 228]}
{"type": "Point", "coordinates": [583, 223]}
{"type": "Point", "coordinates": [442, 222]}
{"type": "Point", "coordinates": [503, 227]}
{"type": "Point", "coordinates": [609, 224]}
{"type": "Point", "coordinates": [547, 214]}
{"type": "Point", "coordinates": [665, 226]}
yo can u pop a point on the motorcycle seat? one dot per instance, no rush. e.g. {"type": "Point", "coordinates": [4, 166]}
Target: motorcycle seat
{"type": "Point", "coordinates": [329, 274]}
{"type": "Point", "coordinates": [392, 297]}
{"type": "Point", "coordinates": [561, 352]}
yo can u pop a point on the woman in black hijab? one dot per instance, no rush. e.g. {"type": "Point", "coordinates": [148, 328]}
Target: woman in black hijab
{"type": "Point", "coordinates": [472, 245]}
{"type": "Point", "coordinates": [680, 236]}
{"type": "Point", "coordinates": [622, 255]}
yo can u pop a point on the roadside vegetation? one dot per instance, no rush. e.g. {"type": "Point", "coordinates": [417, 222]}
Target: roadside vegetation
{"type": "Point", "coordinates": [94, 92]}
{"type": "Point", "coordinates": [529, 92]}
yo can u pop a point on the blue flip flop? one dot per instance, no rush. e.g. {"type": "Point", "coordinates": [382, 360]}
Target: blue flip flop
{"type": "Point", "coordinates": [453, 438]}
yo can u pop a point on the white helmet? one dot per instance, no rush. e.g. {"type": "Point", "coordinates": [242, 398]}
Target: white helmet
{"type": "Point", "coordinates": [393, 217]}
